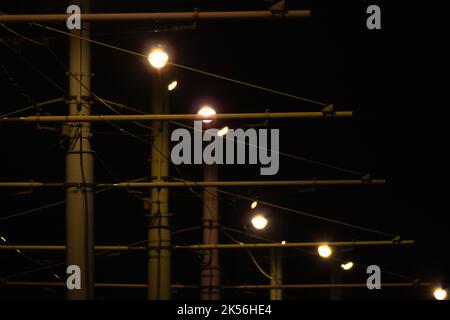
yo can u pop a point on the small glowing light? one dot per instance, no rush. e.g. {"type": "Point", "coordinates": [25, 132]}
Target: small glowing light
{"type": "Point", "coordinates": [206, 111]}
{"type": "Point", "coordinates": [259, 222]}
{"type": "Point", "coordinates": [324, 251]}
{"type": "Point", "coordinates": [283, 242]}
{"type": "Point", "coordinates": [172, 85]}
{"type": "Point", "coordinates": [440, 294]}
{"type": "Point", "coordinates": [254, 204]}
{"type": "Point", "coordinates": [222, 132]}
{"type": "Point", "coordinates": [347, 266]}
{"type": "Point", "coordinates": [4, 240]}
{"type": "Point", "coordinates": [158, 58]}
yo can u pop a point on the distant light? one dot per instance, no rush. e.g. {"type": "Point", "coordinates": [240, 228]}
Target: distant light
{"type": "Point", "coordinates": [324, 251]}
{"type": "Point", "coordinates": [440, 294]}
{"type": "Point", "coordinates": [347, 266]}
{"type": "Point", "coordinates": [158, 58]}
{"type": "Point", "coordinates": [172, 85]}
{"type": "Point", "coordinates": [206, 111]}
{"type": "Point", "coordinates": [254, 204]}
{"type": "Point", "coordinates": [3, 239]}
{"type": "Point", "coordinates": [222, 131]}
{"type": "Point", "coordinates": [283, 242]}
{"type": "Point", "coordinates": [259, 221]}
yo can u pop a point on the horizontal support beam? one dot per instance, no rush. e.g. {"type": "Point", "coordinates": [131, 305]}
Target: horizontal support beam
{"type": "Point", "coordinates": [247, 286]}
{"type": "Point", "coordinates": [62, 248]}
{"type": "Point", "coordinates": [219, 246]}
{"type": "Point", "coordinates": [174, 117]}
{"type": "Point", "coordinates": [179, 184]}
{"type": "Point", "coordinates": [293, 244]}
{"type": "Point", "coordinates": [160, 16]}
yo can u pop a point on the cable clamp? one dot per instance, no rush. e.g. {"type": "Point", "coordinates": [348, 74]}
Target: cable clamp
{"type": "Point", "coordinates": [396, 240]}
{"type": "Point", "coordinates": [366, 179]}
{"type": "Point", "coordinates": [328, 110]}
{"type": "Point", "coordinates": [278, 8]}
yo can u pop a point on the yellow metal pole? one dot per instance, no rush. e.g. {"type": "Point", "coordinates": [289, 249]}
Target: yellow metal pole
{"type": "Point", "coordinates": [178, 184]}
{"type": "Point", "coordinates": [172, 117]}
{"type": "Point", "coordinates": [219, 246]}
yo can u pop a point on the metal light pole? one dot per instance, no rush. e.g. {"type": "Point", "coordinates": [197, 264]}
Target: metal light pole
{"type": "Point", "coordinates": [80, 167]}
{"type": "Point", "coordinates": [159, 235]}
{"type": "Point", "coordinates": [210, 268]}
{"type": "Point", "coordinates": [335, 279]}
{"type": "Point", "coordinates": [210, 273]}
{"type": "Point", "coordinates": [276, 272]}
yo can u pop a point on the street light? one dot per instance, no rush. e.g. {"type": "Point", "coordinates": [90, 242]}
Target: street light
{"type": "Point", "coordinates": [254, 204]}
{"type": "Point", "coordinates": [158, 58]}
{"type": "Point", "coordinates": [347, 266]}
{"type": "Point", "coordinates": [440, 294]}
{"type": "Point", "coordinates": [259, 221]}
{"type": "Point", "coordinates": [222, 131]}
{"type": "Point", "coordinates": [206, 111]}
{"type": "Point", "coordinates": [324, 251]}
{"type": "Point", "coordinates": [172, 85]}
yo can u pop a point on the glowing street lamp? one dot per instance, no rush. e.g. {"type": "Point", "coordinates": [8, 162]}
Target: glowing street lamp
{"type": "Point", "coordinates": [206, 111]}
{"type": "Point", "coordinates": [440, 294]}
{"type": "Point", "coordinates": [254, 204]}
{"type": "Point", "coordinates": [259, 221]}
{"type": "Point", "coordinates": [158, 58]}
{"type": "Point", "coordinates": [324, 251]}
{"type": "Point", "coordinates": [347, 266]}
{"type": "Point", "coordinates": [222, 131]}
{"type": "Point", "coordinates": [172, 85]}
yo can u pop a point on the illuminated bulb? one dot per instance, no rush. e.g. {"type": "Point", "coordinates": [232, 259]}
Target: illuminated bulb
{"type": "Point", "coordinates": [283, 242]}
{"type": "Point", "coordinates": [158, 58]}
{"type": "Point", "coordinates": [172, 85]}
{"type": "Point", "coordinates": [222, 131]}
{"type": "Point", "coordinates": [324, 251]}
{"type": "Point", "coordinates": [347, 266]}
{"type": "Point", "coordinates": [254, 204]}
{"type": "Point", "coordinates": [259, 222]}
{"type": "Point", "coordinates": [440, 294]}
{"type": "Point", "coordinates": [206, 111]}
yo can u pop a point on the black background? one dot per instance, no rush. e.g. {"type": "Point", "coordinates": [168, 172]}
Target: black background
{"type": "Point", "coordinates": [394, 79]}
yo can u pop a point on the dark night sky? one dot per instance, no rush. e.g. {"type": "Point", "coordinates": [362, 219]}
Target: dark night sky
{"type": "Point", "coordinates": [390, 78]}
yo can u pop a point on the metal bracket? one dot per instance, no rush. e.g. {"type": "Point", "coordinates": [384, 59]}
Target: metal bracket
{"type": "Point", "coordinates": [328, 111]}
{"type": "Point", "coordinates": [278, 8]}
{"type": "Point", "coordinates": [366, 179]}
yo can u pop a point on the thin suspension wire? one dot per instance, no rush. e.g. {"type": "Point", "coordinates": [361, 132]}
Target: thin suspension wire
{"type": "Point", "coordinates": [37, 105]}
{"type": "Point", "coordinates": [183, 66]}
{"type": "Point", "coordinates": [100, 253]}
{"type": "Point", "coordinates": [322, 164]}
{"type": "Point", "coordinates": [252, 257]}
{"type": "Point", "coordinates": [239, 82]}
{"type": "Point", "coordinates": [98, 98]}
{"type": "Point", "coordinates": [131, 134]}
{"type": "Point", "coordinates": [21, 35]}
{"type": "Point", "coordinates": [55, 204]}
{"type": "Point", "coordinates": [296, 157]}
{"type": "Point", "coordinates": [31, 259]}
{"type": "Point", "coordinates": [36, 69]}
{"type": "Point", "coordinates": [309, 215]}
{"type": "Point", "coordinates": [359, 265]}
